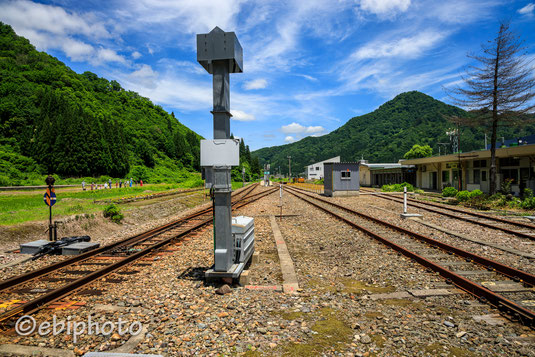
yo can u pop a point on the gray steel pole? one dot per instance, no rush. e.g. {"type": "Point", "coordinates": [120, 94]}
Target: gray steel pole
{"type": "Point", "coordinates": [222, 210]}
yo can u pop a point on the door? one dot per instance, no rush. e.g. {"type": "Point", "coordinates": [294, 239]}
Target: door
{"type": "Point", "coordinates": [434, 183]}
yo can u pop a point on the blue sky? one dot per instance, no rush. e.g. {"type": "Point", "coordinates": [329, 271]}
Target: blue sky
{"type": "Point", "coordinates": [309, 65]}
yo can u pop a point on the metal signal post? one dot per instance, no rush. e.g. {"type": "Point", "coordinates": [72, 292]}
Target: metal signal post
{"type": "Point", "coordinates": [220, 54]}
{"type": "Point", "coordinates": [50, 200]}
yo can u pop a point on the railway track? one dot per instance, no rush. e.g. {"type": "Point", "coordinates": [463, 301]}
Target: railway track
{"type": "Point", "coordinates": [54, 282]}
{"type": "Point", "coordinates": [526, 230]}
{"type": "Point", "coordinates": [509, 289]}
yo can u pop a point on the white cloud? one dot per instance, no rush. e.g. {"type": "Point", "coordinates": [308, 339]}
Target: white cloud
{"type": "Point", "coordinates": [295, 128]}
{"type": "Point", "coordinates": [408, 47]}
{"type": "Point", "coordinates": [385, 7]}
{"type": "Point", "coordinates": [289, 139]}
{"type": "Point", "coordinates": [192, 16]}
{"type": "Point", "coordinates": [107, 55]}
{"type": "Point", "coordinates": [77, 50]}
{"type": "Point", "coordinates": [306, 76]}
{"type": "Point", "coordinates": [136, 55]}
{"type": "Point", "coordinates": [255, 84]}
{"type": "Point", "coordinates": [51, 27]}
{"type": "Point", "coordinates": [527, 10]}
{"type": "Point", "coordinates": [314, 129]}
{"type": "Point", "coordinates": [27, 15]}
{"type": "Point", "coordinates": [239, 115]}
{"type": "Point", "coordinates": [145, 77]}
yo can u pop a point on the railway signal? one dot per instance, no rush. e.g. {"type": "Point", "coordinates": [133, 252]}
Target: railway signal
{"type": "Point", "coordinates": [50, 199]}
{"type": "Point", "coordinates": [220, 53]}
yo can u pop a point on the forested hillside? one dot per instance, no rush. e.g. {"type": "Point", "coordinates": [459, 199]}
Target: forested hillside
{"type": "Point", "coordinates": [385, 134]}
{"type": "Point", "coordinates": [53, 120]}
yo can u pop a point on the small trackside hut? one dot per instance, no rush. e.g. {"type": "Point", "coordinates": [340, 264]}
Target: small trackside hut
{"type": "Point", "coordinates": [341, 179]}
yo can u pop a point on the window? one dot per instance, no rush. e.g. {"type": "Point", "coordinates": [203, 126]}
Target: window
{"type": "Point", "coordinates": [480, 163]}
{"type": "Point", "coordinates": [484, 176]}
{"type": "Point", "coordinates": [477, 176]}
{"type": "Point", "coordinates": [317, 168]}
{"type": "Point", "coordinates": [445, 176]}
{"type": "Point", "coordinates": [510, 174]}
{"type": "Point", "coordinates": [346, 175]}
{"type": "Point", "coordinates": [509, 161]}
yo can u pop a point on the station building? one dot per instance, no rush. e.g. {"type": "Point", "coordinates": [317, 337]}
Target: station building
{"type": "Point", "coordinates": [316, 171]}
{"type": "Point", "coordinates": [386, 174]}
{"type": "Point", "coordinates": [341, 179]}
{"type": "Point", "coordinates": [470, 170]}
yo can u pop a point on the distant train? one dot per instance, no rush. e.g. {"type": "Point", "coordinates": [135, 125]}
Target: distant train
{"type": "Point", "coordinates": [300, 180]}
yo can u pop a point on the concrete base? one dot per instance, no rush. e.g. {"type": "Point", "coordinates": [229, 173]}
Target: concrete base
{"type": "Point", "coordinates": [410, 215]}
{"type": "Point", "coordinates": [233, 273]}
{"type": "Point", "coordinates": [19, 350]}
{"type": "Point", "coordinates": [255, 258]}
{"type": "Point", "coordinates": [32, 247]}
{"type": "Point", "coordinates": [342, 193]}
{"type": "Point", "coordinates": [111, 354]}
{"type": "Point", "coordinates": [244, 278]}
{"type": "Point", "coordinates": [79, 248]}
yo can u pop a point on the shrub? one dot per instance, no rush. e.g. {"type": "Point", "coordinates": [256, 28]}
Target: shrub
{"type": "Point", "coordinates": [462, 196]}
{"type": "Point", "coordinates": [398, 187]}
{"type": "Point", "coordinates": [113, 212]}
{"type": "Point", "coordinates": [528, 193]}
{"type": "Point", "coordinates": [506, 186]}
{"type": "Point", "coordinates": [475, 194]}
{"type": "Point", "coordinates": [449, 192]}
{"type": "Point", "coordinates": [528, 203]}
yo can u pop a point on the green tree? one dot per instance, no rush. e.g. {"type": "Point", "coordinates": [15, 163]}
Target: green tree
{"type": "Point", "coordinates": [418, 151]}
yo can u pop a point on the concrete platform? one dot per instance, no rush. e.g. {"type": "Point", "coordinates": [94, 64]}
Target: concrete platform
{"type": "Point", "coordinates": [79, 248]}
{"type": "Point", "coordinates": [410, 215]}
{"type": "Point", "coordinates": [32, 247]}
{"type": "Point", "coordinates": [290, 284]}
{"type": "Point", "coordinates": [423, 293]}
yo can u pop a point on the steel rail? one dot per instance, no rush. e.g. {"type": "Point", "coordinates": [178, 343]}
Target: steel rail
{"type": "Point", "coordinates": [61, 292]}
{"type": "Point", "coordinates": [485, 262]}
{"type": "Point", "coordinates": [475, 214]}
{"type": "Point", "coordinates": [17, 280]}
{"type": "Point", "coordinates": [526, 316]}
{"type": "Point", "coordinates": [466, 219]}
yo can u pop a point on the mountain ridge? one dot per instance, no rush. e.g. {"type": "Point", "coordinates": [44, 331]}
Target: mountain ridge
{"type": "Point", "coordinates": [384, 135]}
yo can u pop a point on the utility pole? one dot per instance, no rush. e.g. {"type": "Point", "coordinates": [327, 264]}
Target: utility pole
{"type": "Point", "coordinates": [289, 167]}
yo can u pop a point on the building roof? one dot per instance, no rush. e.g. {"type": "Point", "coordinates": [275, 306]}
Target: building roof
{"type": "Point", "coordinates": [522, 150]}
{"type": "Point", "coordinates": [530, 139]}
{"type": "Point", "coordinates": [332, 159]}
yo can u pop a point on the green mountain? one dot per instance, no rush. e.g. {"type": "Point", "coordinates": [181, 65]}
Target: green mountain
{"type": "Point", "coordinates": [385, 134]}
{"type": "Point", "coordinates": [54, 120]}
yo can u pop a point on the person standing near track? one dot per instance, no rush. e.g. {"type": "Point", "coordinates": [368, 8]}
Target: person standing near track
{"type": "Point", "coordinates": [83, 185]}
{"type": "Point", "coordinates": [109, 183]}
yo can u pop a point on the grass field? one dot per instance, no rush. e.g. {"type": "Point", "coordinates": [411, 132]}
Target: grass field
{"type": "Point", "coordinates": [19, 207]}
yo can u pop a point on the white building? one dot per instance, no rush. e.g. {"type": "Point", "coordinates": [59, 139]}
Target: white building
{"type": "Point", "coordinates": [316, 172]}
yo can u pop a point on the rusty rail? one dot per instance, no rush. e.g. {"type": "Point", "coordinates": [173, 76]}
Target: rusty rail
{"type": "Point", "coordinates": [516, 311]}
{"type": "Point", "coordinates": [57, 294]}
